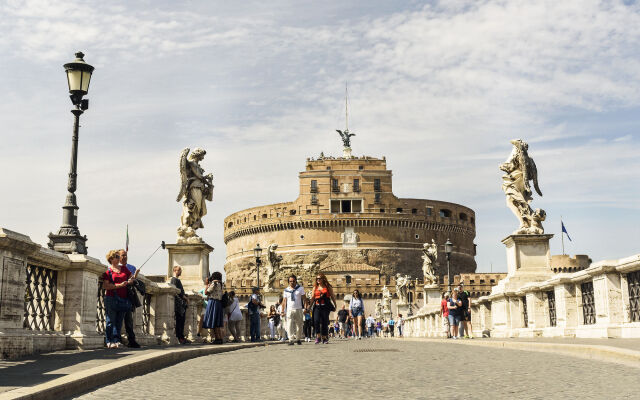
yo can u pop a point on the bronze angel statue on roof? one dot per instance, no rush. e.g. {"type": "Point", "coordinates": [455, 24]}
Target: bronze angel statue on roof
{"type": "Point", "coordinates": [519, 170]}
{"type": "Point", "coordinates": [346, 137]}
{"type": "Point", "coordinates": [195, 189]}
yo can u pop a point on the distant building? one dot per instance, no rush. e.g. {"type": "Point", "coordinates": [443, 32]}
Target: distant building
{"type": "Point", "coordinates": [347, 223]}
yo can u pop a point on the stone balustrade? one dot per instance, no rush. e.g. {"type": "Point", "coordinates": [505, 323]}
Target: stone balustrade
{"type": "Point", "coordinates": [53, 301]}
{"type": "Point", "coordinates": [598, 302]}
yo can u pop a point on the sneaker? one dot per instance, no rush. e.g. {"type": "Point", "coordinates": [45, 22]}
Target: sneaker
{"type": "Point", "coordinates": [133, 345]}
{"type": "Point", "coordinates": [455, 337]}
{"type": "Point", "coordinates": [326, 341]}
{"type": "Point", "coordinates": [298, 341]}
{"type": "Point", "coordinates": [317, 341]}
{"type": "Point", "coordinates": [116, 345]}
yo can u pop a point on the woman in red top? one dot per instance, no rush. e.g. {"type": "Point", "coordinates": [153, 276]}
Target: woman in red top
{"type": "Point", "coordinates": [116, 301]}
{"type": "Point", "coordinates": [444, 312]}
{"type": "Point", "coordinates": [321, 299]}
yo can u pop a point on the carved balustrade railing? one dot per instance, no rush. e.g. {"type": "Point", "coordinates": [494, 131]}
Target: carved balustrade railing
{"type": "Point", "coordinates": [146, 314]}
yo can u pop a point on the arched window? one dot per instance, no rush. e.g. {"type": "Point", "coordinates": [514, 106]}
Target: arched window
{"type": "Point", "coordinates": [444, 213]}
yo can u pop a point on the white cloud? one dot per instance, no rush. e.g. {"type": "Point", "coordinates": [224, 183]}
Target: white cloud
{"type": "Point", "coordinates": [439, 90]}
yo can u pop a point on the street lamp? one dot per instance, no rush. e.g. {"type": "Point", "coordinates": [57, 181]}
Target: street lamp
{"type": "Point", "coordinates": [448, 248]}
{"type": "Point", "coordinates": [68, 238]}
{"type": "Point", "coordinates": [257, 252]}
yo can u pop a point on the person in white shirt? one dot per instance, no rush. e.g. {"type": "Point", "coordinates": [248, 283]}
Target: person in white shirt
{"type": "Point", "coordinates": [370, 324]}
{"type": "Point", "coordinates": [235, 316]}
{"type": "Point", "coordinates": [293, 303]}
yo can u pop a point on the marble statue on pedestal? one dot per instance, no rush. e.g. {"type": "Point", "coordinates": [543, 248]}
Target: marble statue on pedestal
{"type": "Point", "coordinates": [519, 170]}
{"type": "Point", "coordinates": [429, 257]}
{"type": "Point", "coordinates": [402, 288]}
{"type": "Point", "coordinates": [195, 189]}
{"type": "Point", "coordinates": [386, 300]}
{"type": "Point", "coordinates": [273, 265]}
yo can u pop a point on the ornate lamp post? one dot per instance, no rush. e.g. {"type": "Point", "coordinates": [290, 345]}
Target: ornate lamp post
{"type": "Point", "coordinates": [257, 252]}
{"type": "Point", "coordinates": [68, 238]}
{"type": "Point", "coordinates": [448, 248]}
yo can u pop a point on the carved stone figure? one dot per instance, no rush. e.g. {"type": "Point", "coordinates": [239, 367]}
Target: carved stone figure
{"type": "Point", "coordinates": [429, 257]}
{"type": "Point", "coordinates": [346, 137]}
{"type": "Point", "coordinates": [195, 189]}
{"type": "Point", "coordinates": [378, 309]}
{"type": "Point", "coordinates": [519, 170]}
{"type": "Point", "coordinates": [386, 300]}
{"type": "Point", "coordinates": [273, 265]}
{"type": "Point", "coordinates": [402, 289]}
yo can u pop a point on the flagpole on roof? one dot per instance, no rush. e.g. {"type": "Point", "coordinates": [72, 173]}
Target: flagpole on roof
{"type": "Point", "coordinates": [562, 233]}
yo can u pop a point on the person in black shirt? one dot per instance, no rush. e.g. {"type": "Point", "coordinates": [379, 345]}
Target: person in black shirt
{"type": "Point", "coordinates": [465, 313]}
{"type": "Point", "coordinates": [342, 319]}
{"type": "Point", "coordinates": [181, 303]}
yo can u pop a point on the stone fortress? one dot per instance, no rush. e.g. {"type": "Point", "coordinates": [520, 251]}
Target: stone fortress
{"type": "Point", "coordinates": [348, 224]}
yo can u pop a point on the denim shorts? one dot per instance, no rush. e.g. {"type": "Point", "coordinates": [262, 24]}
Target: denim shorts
{"type": "Point", "coordinates": [357, 312]}
{"type": "Point", "coordinates": [454, 320]}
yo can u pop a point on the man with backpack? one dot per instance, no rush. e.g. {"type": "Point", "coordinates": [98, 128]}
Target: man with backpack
{"type": "Point", "coordinates": [253, 308]}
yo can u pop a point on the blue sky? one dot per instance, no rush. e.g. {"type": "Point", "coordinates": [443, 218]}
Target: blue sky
{"type": "Point", "coordinates": [438, 88]}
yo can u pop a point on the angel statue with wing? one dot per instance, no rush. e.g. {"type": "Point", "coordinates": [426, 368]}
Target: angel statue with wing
{"type": "Point", "coordinates": [195, 189]}
{"type": "Point", "coordinates": [346, 137]}
{"type": "Point", "coordinates": [430, 259]}
{"type": "Point", "coordinates": [519, 170]}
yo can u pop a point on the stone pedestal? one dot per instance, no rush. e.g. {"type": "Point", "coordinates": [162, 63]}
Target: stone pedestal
{"type": "Point", "coordinates": [270, 299]}
{"type": "Point", "coordinates": [402, 309]}
{"type": "Point", "coordinates": [432, 297]}
{"type": "Point", "coordinates": [194, 260]}
{"type": "Point", "coordinates": [528, 260]}
{"type": "Point", "coordinates": [346, 152]}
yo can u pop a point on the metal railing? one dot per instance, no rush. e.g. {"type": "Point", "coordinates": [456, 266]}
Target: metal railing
{"type": "Point", "coordinates": [588, 304]}
{"type": "Point", "coordinates": [525, 315]}
{"type": "Point", "coordinates": [633, 280]}
{"type": "Point", "coordinates": [551, 299]}
{"type": "Point", "coordinates": [40, 298]}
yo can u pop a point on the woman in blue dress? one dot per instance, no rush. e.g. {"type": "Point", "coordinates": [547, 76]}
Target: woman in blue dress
{"type": "Point", "coordinates": [213, 315]}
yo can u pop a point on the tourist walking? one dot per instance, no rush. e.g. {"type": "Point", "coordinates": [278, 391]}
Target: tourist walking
{"type": "Point", "coordinates": [128, 316]}
{"type": "Point", "coordinates": [454, 305]}
{"type": "Point", "coordinates": [385, 328]}
{"type": "Point", "coordinates": [213, 316]}
{"type": "Point", "coordinates": [343, 314]}
{"type": "Point", "coordinates": [465, 313]}
{"type": "Point", "coordinates": [234, 316]}
{"type": "Point", "coordinates": [308, 323]}
{"type": "Point", "coordinates": [181, 303]}
{"type": "Point", "coordinates": [378, 328]}
{"type": "Point", "coordinates": [399, 323]}
{"type": "Point", "coordinates": [392, 326]}
{"type": "Point", "coordinates": [356, 311]}
{"type": "Point", "coordinates": [271, 318]}
{"type": "Point", "coordinates": [323, 301]}
{"type": "Point", "coordinates": [444, 311]}
{"type": "Point", "coordinates": [293, 302]}
{"type": "Point", "coordinates": [116, 302]}
{"type": "Point", "coordinates": [280, 321]}
{"type": "Point", "coordinates": [253, 308]}
{"type": "Point", "coordinates": [370, 325]}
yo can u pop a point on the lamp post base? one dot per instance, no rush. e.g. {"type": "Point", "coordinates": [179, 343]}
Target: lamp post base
{"type": "Point", "coordinates": [68, 241]}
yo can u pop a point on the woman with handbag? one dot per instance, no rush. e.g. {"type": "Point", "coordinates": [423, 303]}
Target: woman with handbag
{"type": "Point", "coordinates": [323, 301]}
{"type": "Point", "coordinates": [116, 301]}
{"type": "Point", "coordinates": [213, 316]}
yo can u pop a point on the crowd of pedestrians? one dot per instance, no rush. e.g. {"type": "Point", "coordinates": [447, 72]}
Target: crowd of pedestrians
{"type": "Point", "coordinates": [298, 316]}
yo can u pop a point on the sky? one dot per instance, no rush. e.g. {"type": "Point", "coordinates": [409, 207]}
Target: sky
{"type": "Point", "coordinates": [439, 88]}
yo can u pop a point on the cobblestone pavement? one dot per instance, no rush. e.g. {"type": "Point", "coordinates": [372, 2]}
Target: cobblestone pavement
{"type": "Point", "coordinates": [378, 368]}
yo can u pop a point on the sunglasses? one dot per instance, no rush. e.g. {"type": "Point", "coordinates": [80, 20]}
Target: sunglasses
{"type": "Point", "coordinates": [117, 256]}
